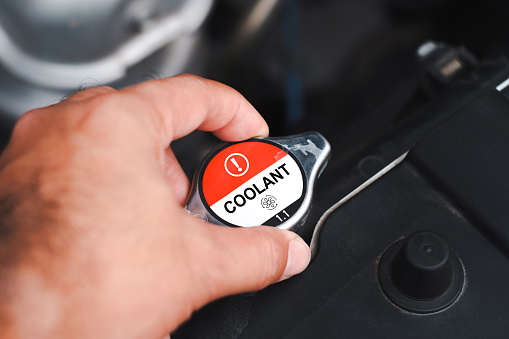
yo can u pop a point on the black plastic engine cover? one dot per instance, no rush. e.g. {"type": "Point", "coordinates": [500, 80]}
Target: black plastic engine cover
{"type": "Point", "coordinates": [455, 183]}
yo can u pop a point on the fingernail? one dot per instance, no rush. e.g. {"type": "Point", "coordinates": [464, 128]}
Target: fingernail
{"type": "Point", "coordinates": [299, 256]}
{"type": "Point", "coordinates": [264, 132]}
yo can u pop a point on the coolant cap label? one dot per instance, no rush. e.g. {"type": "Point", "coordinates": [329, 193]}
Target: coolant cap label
{"type": "Point", "coordinates": [252, 183]}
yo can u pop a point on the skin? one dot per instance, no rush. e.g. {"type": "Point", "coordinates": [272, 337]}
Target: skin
{"type": "Point", "coordinates": [94, 241]}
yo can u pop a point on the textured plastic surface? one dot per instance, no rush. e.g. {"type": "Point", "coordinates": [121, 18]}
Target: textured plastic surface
{"type": "Point", "coordinates": [454, 183]}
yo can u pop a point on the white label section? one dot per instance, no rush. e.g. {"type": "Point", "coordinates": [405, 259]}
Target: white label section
{"type": "Point", "coordinates": [263, 196]}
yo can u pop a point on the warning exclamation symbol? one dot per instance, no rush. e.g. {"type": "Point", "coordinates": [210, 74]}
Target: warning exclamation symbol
{"type": "Point", "coordinates": [236, 164]}
{"type": "Point", "coordinates": [232, 159]}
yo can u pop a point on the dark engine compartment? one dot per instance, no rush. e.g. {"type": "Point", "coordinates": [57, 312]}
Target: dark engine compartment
{"type": "Point", "coordinates": [351, 71]}
{"type": "Point", "coordinates": [451, 182]}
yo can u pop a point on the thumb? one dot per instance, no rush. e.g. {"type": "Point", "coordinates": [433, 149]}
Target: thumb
{"type": "Point", "coordinates": [235, 260]}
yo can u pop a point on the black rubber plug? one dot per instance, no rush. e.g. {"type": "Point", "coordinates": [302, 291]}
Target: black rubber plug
{"type": "Point", "coordinates": [422, 268]}
{"type": "Point", "coordinates": [421, 274]}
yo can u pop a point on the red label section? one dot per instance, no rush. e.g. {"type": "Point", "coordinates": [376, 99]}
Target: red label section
{"type": "Point", "coordinates": [235, 165]}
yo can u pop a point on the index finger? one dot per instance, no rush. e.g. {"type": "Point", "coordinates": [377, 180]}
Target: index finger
{"type": "Point", "coordinates": [184, 103]}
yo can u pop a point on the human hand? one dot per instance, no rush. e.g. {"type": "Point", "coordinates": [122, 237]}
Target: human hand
{"type": "Point", "coordinates": [94, 241]}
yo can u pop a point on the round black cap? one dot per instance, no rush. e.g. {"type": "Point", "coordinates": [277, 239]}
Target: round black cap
{"type": "Point", "coordinates": [422, 268]}
{"type": "Point", "coordinates": [421, 274]}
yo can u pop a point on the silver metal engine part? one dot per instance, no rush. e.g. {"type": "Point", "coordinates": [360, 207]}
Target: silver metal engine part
{"type": "Point", "coordinates": [52, 47]}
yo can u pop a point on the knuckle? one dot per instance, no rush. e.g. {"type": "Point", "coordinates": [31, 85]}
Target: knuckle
{"type": "Point", "coordinates": [111, 115]}
{"type": "Point", "coordinates": [188, 76]}
{"type": "Point", "coordinates": [103, 108]}
{"type": "Point", "coordinates": [26, 122]}
{"type": "Point", "coordinates": [28, 117]}
{"type": "Point", "coordinates": [88, 93]}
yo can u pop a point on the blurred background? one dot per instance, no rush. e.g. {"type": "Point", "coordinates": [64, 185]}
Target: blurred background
{"type": "Point", "coordinates": [345, 68]}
